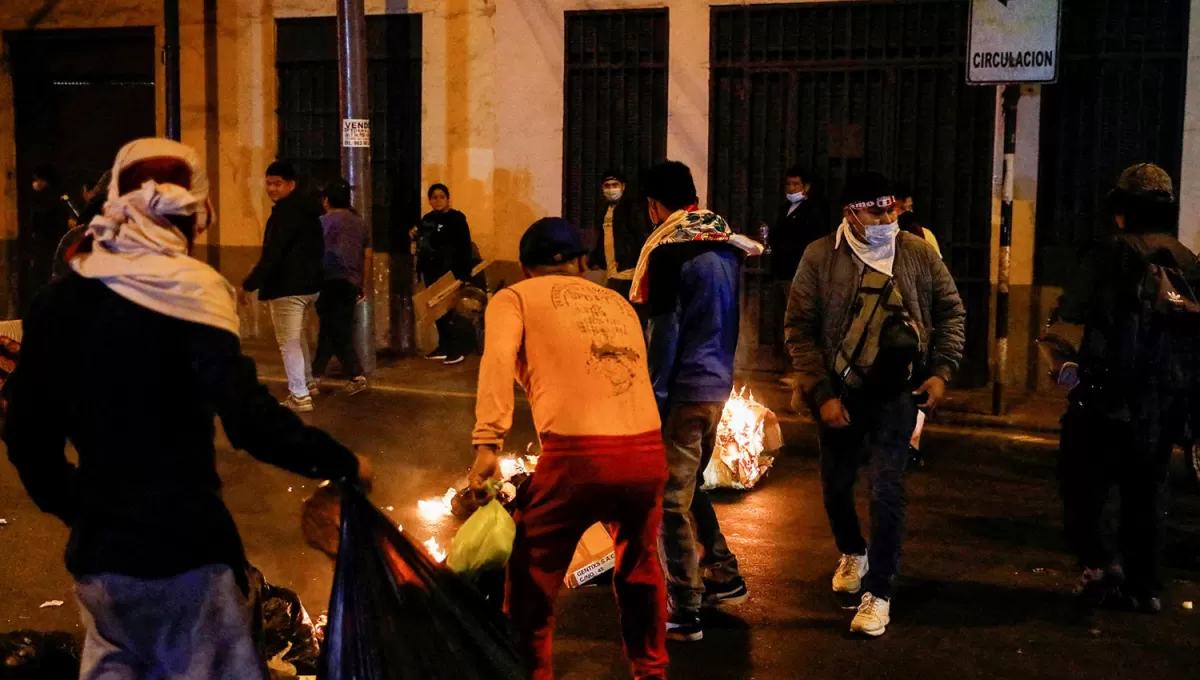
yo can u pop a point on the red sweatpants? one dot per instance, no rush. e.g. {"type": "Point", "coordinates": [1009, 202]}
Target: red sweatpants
{"type": "Point", "coordinates": [580, 481]}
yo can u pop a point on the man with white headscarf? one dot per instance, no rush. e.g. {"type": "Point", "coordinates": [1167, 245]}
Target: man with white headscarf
{"type": "Point", "coordinates": [874, 325]}
{"type": "Point", "coordinates": [129, 357]}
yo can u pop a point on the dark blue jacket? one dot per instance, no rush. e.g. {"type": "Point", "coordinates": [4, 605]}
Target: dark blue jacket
{"type": "Point", "coordinates": [695, 294]}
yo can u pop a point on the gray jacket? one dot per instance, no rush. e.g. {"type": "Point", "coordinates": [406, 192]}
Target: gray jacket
{"type": "Point", "coordinates": [824, 290]}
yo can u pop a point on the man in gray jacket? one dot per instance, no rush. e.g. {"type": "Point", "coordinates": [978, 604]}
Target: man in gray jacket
{"type": "Point", "coordinates": [874, 327]}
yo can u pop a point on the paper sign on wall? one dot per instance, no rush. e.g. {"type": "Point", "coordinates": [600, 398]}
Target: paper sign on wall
{"type": "Point", "coordinates": [356, 133]}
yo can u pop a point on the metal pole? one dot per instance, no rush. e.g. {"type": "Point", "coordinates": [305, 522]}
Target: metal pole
{"type": "Point", "coordinates": [1011, 94]}
{"type": "Point", "coordinates": [171, 59]}
{"type": "Point", "coordinates": [356, 155]}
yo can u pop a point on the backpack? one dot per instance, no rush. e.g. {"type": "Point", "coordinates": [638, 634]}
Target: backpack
{"type": "Point", "coordinates": [1165, 331]}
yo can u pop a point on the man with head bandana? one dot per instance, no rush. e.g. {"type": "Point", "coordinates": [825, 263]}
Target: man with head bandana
{"type": "Point", "coordinates": [159, 567]}
{"type": "Point", "coordinates": [875, 327]}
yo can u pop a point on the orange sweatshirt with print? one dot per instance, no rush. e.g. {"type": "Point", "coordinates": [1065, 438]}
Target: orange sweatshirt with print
{"type": "Point", "coordinates": [578, 350]}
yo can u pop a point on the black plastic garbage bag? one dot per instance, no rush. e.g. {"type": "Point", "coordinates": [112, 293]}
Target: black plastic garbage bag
{"type": "Point", "coordinates": [395, 614]}
{"type": "Point", "coordinates": [30, 655]}
{"type": "Point", "coordinates": [282, 628]}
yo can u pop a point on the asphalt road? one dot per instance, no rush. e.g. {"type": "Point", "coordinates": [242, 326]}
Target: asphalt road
{"type": "Point", "coordinates": [985, 582]}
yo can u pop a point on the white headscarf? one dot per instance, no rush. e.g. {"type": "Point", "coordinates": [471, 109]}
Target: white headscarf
{"type": "Point", "coordinates": [140, 255]}
{"type": "Point", "coordinates": [879, 252]}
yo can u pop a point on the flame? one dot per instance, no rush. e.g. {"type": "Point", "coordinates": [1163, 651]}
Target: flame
{"type": "Point", "coordinates": [435, 550]}
{"type": "Point", "coordinates": [740, 437]}
{"type": "Point", "coordinates": [436, 508]}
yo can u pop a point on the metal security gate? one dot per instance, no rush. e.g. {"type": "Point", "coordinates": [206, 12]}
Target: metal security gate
{"type": "Point", "coordinates": [844, 87]}
{"type": "Point", "coordinates": [309, 127]}
{"type": "Point", "coordinates": [79, 96]}
{"type": "Point", "coordinates": [1118, 101]}
{"type": "Point", "coordinates": [615, 108]}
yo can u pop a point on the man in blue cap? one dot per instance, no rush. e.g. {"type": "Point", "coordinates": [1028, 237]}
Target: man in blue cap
{"type": "Point", "coordinates": [577, 349]}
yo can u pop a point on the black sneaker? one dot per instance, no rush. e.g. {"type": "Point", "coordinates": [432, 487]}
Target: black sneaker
{"type": "Point", "coordinates": [684, 627]}
{"type": "Point", "coordinates": [733, 592]}
{"type": "Point", "coordinates": [1097, 587]}
{"type": "Point", "coordinates": [454, 359]}
{"type": "Point", "coordinates": [438, 354]}
{"type": "Point", "coordinates": [1121, 600]}
{"type": "Point", "coordinates": [914, 458]}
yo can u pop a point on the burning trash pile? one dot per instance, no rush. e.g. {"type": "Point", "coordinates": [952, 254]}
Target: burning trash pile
{"type": "Point", "coordinates": [748, 440]}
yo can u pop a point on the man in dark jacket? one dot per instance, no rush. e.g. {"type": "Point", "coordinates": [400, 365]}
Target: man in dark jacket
{"type": "Point", "coordinates": [689, 274]}
{"type": "Point", "coordinates": [159, 567]}
{"type": "Point", "coordinates": [873, 312]}
{"type": "Point", "coordinates": [1127, 411]}
{"type": "Point", "coordinates": [289, 276]}
{"type": "Point", "coordinates": [801, 221]}
{"type": "Point", "coordinates": [621, 231]}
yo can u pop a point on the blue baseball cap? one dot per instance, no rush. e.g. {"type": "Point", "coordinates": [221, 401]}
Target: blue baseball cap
{"type": "Point", "coordinates": [551, 240]}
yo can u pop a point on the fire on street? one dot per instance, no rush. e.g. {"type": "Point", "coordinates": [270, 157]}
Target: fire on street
{"type": "Point", "coordinates": [984, 592]}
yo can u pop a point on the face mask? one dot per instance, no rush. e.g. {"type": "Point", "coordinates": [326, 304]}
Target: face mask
{"type": "Point", "coordinates": [882, 234]}
{"type": "Point", "coordinates": [613, 195]}
{"type": "Point", "coordinates": [796, 197]}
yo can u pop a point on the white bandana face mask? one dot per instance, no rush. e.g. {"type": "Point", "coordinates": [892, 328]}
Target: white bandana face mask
{"type": "Point", "coordinates": [613, 195]}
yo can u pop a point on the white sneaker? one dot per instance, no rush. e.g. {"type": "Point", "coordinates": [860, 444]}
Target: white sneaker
{"type": "Point", "coordinates": [298, 404]}
{"type": "Point", "coordinates": [849, 575]}
{"type": "Point", "coordinates": [873, 617]}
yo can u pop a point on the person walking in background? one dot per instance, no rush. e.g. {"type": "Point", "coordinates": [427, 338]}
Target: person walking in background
{"type": "Point", "coordinates": [907, 217]}
{"type": "Point", "coordinates": [289, 276]}
{"type": "Point", "coordinates": [48, 221]}
{"type": "Point", "coordinates": [801, 221]}
{"type": "Point", "coordinates": [689, 273]}
{"type": "Point", "coordinates": [579, 352]}
{"type": "Point", "coordinates": [159, 567]}
{"type": "Point", "coordinates": [623, 230]}
{"type": "Point", "coordinates": [345, 258]}
{"type": "Point", "coordinates": [874, 326]}
{"type": "Point", "coordinates": [444, 246]}
{"type": "Point", "coordinates": [1136, 372]}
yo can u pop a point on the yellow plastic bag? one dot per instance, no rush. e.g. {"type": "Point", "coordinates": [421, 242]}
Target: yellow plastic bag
{"type": "Point", "coordinates": [484, 542]}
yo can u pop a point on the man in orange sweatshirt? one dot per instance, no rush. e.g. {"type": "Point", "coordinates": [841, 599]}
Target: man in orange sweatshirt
{"type": "Point", "coordinates": [577, 349]}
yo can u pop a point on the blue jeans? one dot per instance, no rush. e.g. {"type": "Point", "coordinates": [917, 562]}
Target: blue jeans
{"type": "Point", "coordinates": [289, 315]}
{"type": "Point", "coordinates": [194, 626]}
{"type": "Point", "coordinates": [878, 435]}
{"type": "Point", "coordinates": [689, 520]}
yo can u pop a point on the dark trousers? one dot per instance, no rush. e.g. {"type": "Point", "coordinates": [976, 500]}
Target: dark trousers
{"type": "Point", "coordinates": [878, 435]}
{"type": "Point", "coordinates": [335, 308]}
{"type": "Point", "coordinates": [689, 525]}
{"type": "Point", "coordinates": [581, 481]}
{"type": "Point", "coordinates": [1096, 453]}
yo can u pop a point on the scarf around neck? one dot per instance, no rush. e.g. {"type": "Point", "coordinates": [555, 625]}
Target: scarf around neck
{"type": "Point", "coordinates": [880, 256]}
{"type": "Point", "coordinates": [685, 226]}
{"type": "Point", "coordinates": [142, 257]}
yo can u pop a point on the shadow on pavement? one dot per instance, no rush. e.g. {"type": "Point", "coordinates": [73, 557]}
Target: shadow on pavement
{"type": "Point", "coordinates": [968, 604]}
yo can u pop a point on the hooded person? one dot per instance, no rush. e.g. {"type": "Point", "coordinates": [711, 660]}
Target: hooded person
{"type": "Point", "coordinates": [875, 327]}
{"type": "Point", "coordinates": [159, 567]}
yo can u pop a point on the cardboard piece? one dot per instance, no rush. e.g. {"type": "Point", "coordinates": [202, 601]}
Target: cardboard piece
{"type": "Point", "coordinates": [593, 556]}
{"type": "Point", "coordinates": [433, 302]}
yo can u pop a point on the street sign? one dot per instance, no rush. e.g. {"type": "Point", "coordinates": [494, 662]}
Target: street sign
{"type": "Point", "coordinates": [1013, 41]}
{"type": "Point", "coordinates": [356, 133]}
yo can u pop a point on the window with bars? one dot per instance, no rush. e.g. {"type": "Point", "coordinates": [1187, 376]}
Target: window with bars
{"type": "Point", "coordinates": [309, 123]}
{"type": "Point", "coordinates": [839, 88]}
{"type": "Point", "coordinates": [615, 108]}
{"type": "Point", "coordinates": [1118, 101]}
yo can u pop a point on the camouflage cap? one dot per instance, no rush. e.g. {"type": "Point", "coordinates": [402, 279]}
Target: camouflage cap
{"type": "Point", "coordinates": [1146, 178]}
